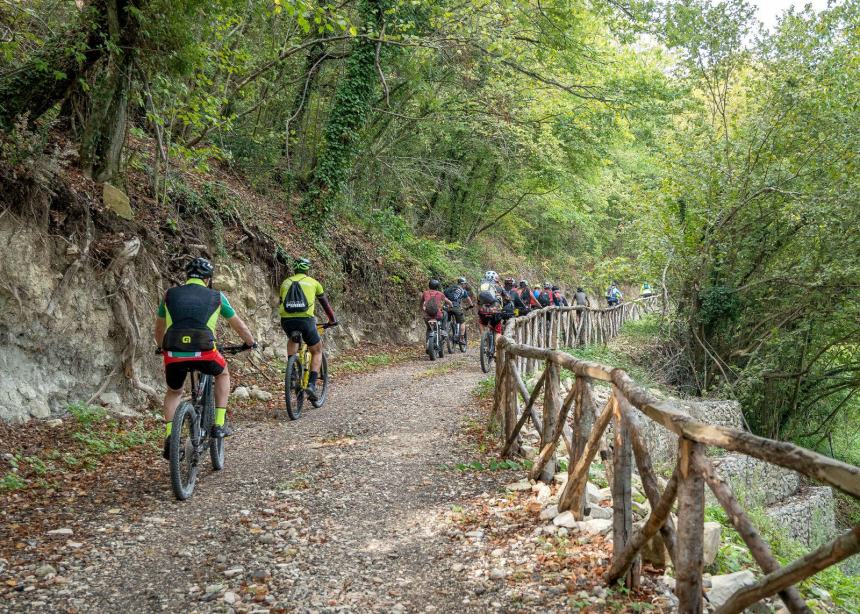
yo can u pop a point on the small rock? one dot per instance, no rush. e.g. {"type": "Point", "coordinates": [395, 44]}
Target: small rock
{"type": "Point", "coordinates": [110, 398]}
{"type": "Point", "coordinates": [497, 574]}
{"type": "Point", "coordinates": [64, 531]}
{"type": "Point", "coordinates": [592, 493]}
{"type": "Point", "coordinates": [260, 395]}
{"type": "Point", "coordinates": [522, 485]}
{"type": "Point", "coordinates": [596, 511]}
{"type": "Point", "coordinates": [54, 423]}
{"type": "Point", "coordinates": [723, 587]}
{"type": "Point", "coordinates": [542, 493]}
{"type": "Point", "coordinates": [267, 538]}
{"type": "Point", "coordinates": [233, 572]}
{"type": "Point", "coordinates": [549, 512]}
{"type": "Point", "coordinates": [241, 393]}
{"type": "Point", "coordinates": [45, 570]}
{"type": "Point", "coordinates": [230, 597]}
{"type": "Point", "coordinates": [565, 519]}
{"type": "Point", "coordinates": [214, 588]}
{"type": "Point", "coordinates": [598, 526]}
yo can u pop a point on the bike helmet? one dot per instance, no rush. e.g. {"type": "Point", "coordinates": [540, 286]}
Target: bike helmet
{"type": "Point", "coordinates": [461, 280]}
{"type": "Point", "coordinates": [524, 283]}
{"type": "Point", "coordinates": [490, 276]}
{"type": "Point", "coordinates": [547, 285]}
{"type": "Point", "coordinates": [435, 284]}
{"type": "Point", "coordinates": [554, 288]}
{"type": "Point", "coordinates": [509, 281]}
{"type": "Point", "coordinates": [302, 265]}
{"type": "Point", "coordinates": [199, 268]}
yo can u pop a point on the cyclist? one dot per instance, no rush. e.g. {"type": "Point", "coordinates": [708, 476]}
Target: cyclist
{"type": "Point", "coordinates": [489, 300]}
{"type": "Point", "coordinates": [185, 332]}
{"type": "Point", "coordinates": [517, 304]}
{"type": "Point", "coordinates": [646, 290]}
{"type": "Point", "coordinates": [527, 296]}
{"type": "Point", "coordinates": [457, 293]}
{"type": "Point", "coordinates": [613, 295]}
{"type": "Point", "coordinates": [545, 297]}
{"type": "Point", "coordinates": [581, 298]}
{"type": "Point", "coordinates": [432, 302]}
{"type": "Point", "coordinates": [299, 295]}
{"type": "Point", "coordinates": [558, 298]}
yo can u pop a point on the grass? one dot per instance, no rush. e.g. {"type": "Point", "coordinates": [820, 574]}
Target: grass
{"type": "Point", "coordinates": [93, 432]}
{"type": "Point", "coordinates": [485, 388]}
{"type": "Point", "coordinates": [362, 364]}
{"type": "Point", "coordinates": [733, 556]}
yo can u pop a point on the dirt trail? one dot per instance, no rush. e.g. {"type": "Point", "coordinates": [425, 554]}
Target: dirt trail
{"type": "Point", "coordinates": [343, 509]}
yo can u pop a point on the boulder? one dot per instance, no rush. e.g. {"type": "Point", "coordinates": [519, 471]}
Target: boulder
{"type": "Point", "coordinates": [711, 542]}
{"type": "Point", "coordinates": [592, 493]}
{"type": "Point", "coordinates": [565, 519]}
{"type": "Point", "coordinates": [598, 526]}
{"type": "Point", "coordinates": [241, 393]}
{"type": "Point", "coordinates": [117, 201]}
{"type": "Point", "coordinates": [549, 512]}
{"type": "Point", "coordinates": [596, 511]}
{"type": "Point", "coordinates": [542, 493]}
{"type": "Point", "coordinates": [723, 587]}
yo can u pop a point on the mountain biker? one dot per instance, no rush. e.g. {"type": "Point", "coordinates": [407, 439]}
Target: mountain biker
{"type": "Point", "coordinates": [527, 297]}
{"type": "Point", "coordinates": [299, 294]}
{"type": "Point", "coordinates": [558, 298]}
{"type": "Point", "coordinates": [490, 297]}
{"type": "Point", "coordinates": [580, 298]}
{"type": "Point", "coordinates": [185, 327]}
{"type": "Point", "coordinates": [432, 302]}
{"type": "Point", "coordinates": [646, 290]}
{"type": "Point", "coordinates": [545, 297]}
{"type": "Point", "coordinates": [614, 295]}
{"type": "Point", "coordinates": [457, 293]}
{"type": "Point", "coordinates": [517, 304]}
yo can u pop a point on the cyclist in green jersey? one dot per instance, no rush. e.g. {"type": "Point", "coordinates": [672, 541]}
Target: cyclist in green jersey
{"type": "Point", "coordinates": [299, 294]}
{"type": "Point", "coordinates": [185, 332]}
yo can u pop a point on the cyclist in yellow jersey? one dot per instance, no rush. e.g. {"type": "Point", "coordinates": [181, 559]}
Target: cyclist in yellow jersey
{"type": "Point", "coordinates": [299, 294]}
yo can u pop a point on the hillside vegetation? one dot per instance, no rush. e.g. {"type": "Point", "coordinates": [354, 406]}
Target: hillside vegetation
{"type": "Point", "coordinates": [570, 140]}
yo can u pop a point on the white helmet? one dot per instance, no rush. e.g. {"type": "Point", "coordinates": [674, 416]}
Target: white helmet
{"type": "Point", "coordinates": [490, 276]}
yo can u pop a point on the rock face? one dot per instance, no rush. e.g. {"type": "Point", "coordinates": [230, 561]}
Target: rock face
{"type": "Point", "coordinates": [49, 325]}
{"type": "Point", "coordinates": [808, 516]}
{"type": "Point", "coordinates": [757, 482]}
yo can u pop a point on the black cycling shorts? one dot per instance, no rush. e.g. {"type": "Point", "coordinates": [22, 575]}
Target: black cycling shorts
{"type": "Point", "coordinates": [306, 326]}
{"type": "Point", "coordinates": [457, 314]}
{"type": "Point", "coordinates": [175, 372]}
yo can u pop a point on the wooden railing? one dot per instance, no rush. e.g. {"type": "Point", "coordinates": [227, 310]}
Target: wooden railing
{"type": "Point", "coordinates": [532, 341]}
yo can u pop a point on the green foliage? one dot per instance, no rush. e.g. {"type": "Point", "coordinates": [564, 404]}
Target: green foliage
{"type": "Point", "coordinates": [486, 388]}
{"type": "Point", "coordinates": [87, 415]}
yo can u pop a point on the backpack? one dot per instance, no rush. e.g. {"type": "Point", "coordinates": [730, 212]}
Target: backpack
{"type": "Point", "coordinates": [487, 297]}
{"type": "Point", "coordinates": [295, 300]}
{"type": "Point", "coordinates": [433, 306]}
{"type": "Point", "coordinates": [544, 299]}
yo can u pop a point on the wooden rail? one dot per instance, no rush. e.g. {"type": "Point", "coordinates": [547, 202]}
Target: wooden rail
{"type": "Point", "coordinates": [532, 341]}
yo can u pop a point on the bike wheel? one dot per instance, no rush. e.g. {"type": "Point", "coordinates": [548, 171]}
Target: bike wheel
{"type": "Point", "coordinates": [431, 346]}
{"type": "Point", "coordinates": [183, 456]}
{"type": "Point", "coordinates": [464, 338]}
{"type": "Point", "coordinates": [449, 337]}
{"type": "Point", "coordinates": [294, 392]}
{"type": "Point", "coordinates": [486, 341]}
{"type": "Point", "coordinates": [322, 384]}
{"type": "Point", "coordinates": [216, 444]}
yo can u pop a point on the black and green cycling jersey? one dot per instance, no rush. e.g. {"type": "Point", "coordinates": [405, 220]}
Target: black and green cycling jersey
{"type": "Point", "coordinates": [193, 311]}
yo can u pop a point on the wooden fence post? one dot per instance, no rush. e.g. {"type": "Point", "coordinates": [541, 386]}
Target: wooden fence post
{"type": "Point", "coordinates": [582, 425]}
{"type": "Point", "coordinates": [551, 406]}
{"type": "Point", "coordinates": [691, 527]}
{"type": "Point", "coordinates": [622, 498]}
{"type": "Point", "coordinates": [512, 401]}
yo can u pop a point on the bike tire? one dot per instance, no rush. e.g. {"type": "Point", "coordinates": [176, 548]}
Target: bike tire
{"type": "Point", "coordinates": [322, 384]}
{"type": "Point", "coordinates": [486, 339]}
{"type": "Point", "coordinates": [294, 393]}
{"type": "Point", "coordinates": [216, 446]}
{"type": "Point", "coordinates": [464, 339]}
{"type": "Point", "coordinates": [449, 337]}
{"type": "Point", "coordinates": [183, 461]}
{"type": "Point", "coordinates": [431, 346]}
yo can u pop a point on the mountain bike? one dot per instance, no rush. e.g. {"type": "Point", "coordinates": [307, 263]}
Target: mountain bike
{"type": "Point", "coordinates": [298, 373]}
{"type": "Point", "coordinates": [191, 432]}
{"type": "Point", "coordinates": [433, 344]}
{"type": "Point", "coordinates": [461, 340]}
{"type": "Point", "coordinates": [488, 348]}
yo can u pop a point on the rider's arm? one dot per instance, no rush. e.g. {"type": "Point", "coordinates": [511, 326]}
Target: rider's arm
{"type": "Point", "coordinates": [241, 329]}
{"type": "Point", "coordinates": [160, 326]}
{"type": "Point", "coordinates": [329, 312]}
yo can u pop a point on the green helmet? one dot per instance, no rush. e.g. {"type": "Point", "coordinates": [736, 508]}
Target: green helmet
{"type": "Point", "coordinates": [302, 265]}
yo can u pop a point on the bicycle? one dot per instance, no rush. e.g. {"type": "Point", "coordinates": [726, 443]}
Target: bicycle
{"type": "Point", "coordinates": [488, 348]}
{"type": "Point", "coordinates": [457, 334]}
{"type": "Point", "coordinates": [297, 374]}
{"type": "Point", "coordinates": [433, 344]}
{"type": "Point", "coordinates": [191, 432]}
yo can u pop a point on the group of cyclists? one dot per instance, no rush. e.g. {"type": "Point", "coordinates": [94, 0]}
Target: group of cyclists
{"type": "Point", "coordinates": [187, 319]}
{"type": "Point", "coordinates": [188, 315]}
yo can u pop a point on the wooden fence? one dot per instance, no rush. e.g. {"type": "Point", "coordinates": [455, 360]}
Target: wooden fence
{"type": "Point", "coordinates": [532, 341]}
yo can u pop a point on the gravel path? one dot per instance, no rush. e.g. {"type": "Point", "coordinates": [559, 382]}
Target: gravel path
{"type": "Point", "coordinates": [346, 509]}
